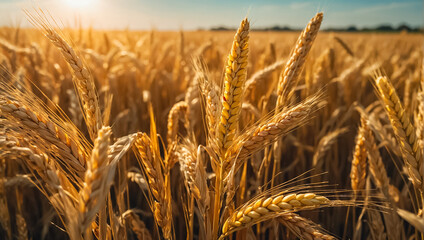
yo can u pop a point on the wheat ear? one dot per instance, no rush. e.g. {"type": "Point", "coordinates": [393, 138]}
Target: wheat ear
{"type": "Point", "coordinates": [83, 80]}
{"type": "Point", "coordinates": [266, 208]}
{"type": "Point", "coordinates": [97, 180]}
{"type": "Point", "coordinates": [375, 161]}
{"type": "Point", "coordinates": [137, 225]}
{"type": "Point", "coordinates": [233, 89]}
{"type": "Point", "coordinates": [48, 130]}
{"type": "Point", "coordinates": [153, 171]}
{"type": "Point", "coordinates": [258, 77]}
{"type": "Point", "coordinates": [344, 45]}
{"type": "Point", "coordinates": [289, 75]}
{"type": "Point", "coordinates": [269, 131]}
{"type": "Point", "coordinates": [177, 112]}
{"type": "Point", "coordinates": [38, 161]}
{"type": "Point", "coordinates": [404, 130]}
{"type": "Point", "coordinates": [303, 228]}
{"type": "Point", "coordinates": [210, 97]}
{"type": "Point", "coordinates": [359, 162]}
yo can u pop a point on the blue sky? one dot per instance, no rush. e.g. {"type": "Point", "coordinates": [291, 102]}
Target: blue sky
{"type": "Point", "coordinates": [185, 14]}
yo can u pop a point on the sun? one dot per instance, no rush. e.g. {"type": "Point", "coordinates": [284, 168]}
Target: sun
{"type": "Point", "coordinates": [79, 3]}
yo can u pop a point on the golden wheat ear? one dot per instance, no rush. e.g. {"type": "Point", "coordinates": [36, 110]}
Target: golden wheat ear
{"type": "Point", "coordinates": [148, 159]}
{"type": "Point", "coordinates": [290, 74]}
{"type": "Point", "coordinates": [269, 130]}
{"type": "Point", "coordinates": [303, 228]}
{"type": "Point", "coordinates": [48, 128]}
{"type": "Point", "coordinates": [233, 88]}
{"type": "Point", "coordinates": [405, 132]}
{"type": "Point", "coordinates": [280, 204]}
{"type": "Point", "coordinates": [96, 181]}
{"type": "Point", "coordinates": [83, 80]}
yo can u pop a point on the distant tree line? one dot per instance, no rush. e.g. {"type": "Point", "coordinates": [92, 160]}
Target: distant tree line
{"type": "Point", "coordinates": [380, 28]}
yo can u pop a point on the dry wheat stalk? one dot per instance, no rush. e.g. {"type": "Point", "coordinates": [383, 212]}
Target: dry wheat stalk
{"type": "Point", "coordinates": [289, 75]}
{"type": "Point", "coordinates": [404, 130]}
{"type": "Point", "coordinates": [233, 89]}
{"type": "Point", "coordinates": [191, 164]}
{"type": "Point", "coordinates": [83, 80]}
{"type": "Point", "coordinates": [303, 228]}
{"type": "Point", "coordinates": [382, 133]}
{"type": "Point", "coordinates": [416, 220]}
{"type": "Point", "coordinates": [61, 193]}
{"type": "Point", "coordinates": [266, 208]}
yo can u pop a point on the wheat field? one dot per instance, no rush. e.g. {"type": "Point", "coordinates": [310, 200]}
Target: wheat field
{"type": "Point", "coordinates": [210, 134]}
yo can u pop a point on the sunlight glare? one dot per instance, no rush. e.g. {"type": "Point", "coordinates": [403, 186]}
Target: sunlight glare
{"type": "Point", "coordinates": [79, 3]}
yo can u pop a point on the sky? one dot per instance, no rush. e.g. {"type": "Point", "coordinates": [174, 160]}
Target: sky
{"type": "Point", "coordinates": [195, 14]}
